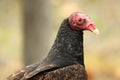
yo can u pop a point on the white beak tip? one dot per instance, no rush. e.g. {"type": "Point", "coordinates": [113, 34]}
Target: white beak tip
{"type": "Point", "coordinates": [96, 31]}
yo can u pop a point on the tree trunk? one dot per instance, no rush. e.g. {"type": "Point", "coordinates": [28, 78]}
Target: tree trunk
{"type": "Point", "coordinates": [37, 29]}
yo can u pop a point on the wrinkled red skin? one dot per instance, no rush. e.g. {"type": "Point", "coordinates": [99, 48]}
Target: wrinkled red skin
{"type": "Point", "coordinates": [84, 24]}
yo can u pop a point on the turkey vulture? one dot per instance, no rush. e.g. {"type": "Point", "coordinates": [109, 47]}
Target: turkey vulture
{"type": "Point", "coordinates": [65, 61]}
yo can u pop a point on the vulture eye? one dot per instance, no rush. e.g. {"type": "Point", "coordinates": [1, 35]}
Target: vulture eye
{"type": "Point", "coordinates": [80, 20]}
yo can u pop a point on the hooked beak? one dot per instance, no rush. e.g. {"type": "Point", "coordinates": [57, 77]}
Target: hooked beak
{"type": "Point", "coordinates": [95, 31]}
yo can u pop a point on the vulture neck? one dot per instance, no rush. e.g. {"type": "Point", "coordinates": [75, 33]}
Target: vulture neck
{"type": "Point", "coordinates": [69, 42]}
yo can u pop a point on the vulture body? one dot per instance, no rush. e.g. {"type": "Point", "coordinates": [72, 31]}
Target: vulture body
{"type": "Point", "coordinates": [65, 60]}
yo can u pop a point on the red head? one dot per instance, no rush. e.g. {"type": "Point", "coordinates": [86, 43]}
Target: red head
{"type": "Point", "coordinates": [80, 21]}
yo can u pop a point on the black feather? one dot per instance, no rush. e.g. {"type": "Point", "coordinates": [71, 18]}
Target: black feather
{"type": "Point", "coordinates": [66, 51]}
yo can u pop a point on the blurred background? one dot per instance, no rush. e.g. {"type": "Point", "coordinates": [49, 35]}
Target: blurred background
{"type": "Point", "coordinates": [28, 29]}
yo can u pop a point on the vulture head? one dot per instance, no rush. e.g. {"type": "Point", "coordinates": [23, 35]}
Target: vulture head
{"type": "Point", "coordinates": [80, 21]}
